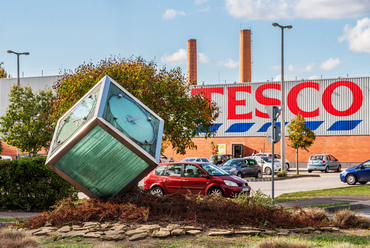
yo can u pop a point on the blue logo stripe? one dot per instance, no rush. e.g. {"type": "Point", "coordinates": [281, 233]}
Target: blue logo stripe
{"type": "Point", "coordinates": [264, 127]}
{"type": "Point", "coordinates": [239, 127]}
{"type": "Point", "coordinates": [214, 128]}
{"type": "Point", "coordinates": [314, 124]}
{"type": "Point", "coordinates": [344, 125]}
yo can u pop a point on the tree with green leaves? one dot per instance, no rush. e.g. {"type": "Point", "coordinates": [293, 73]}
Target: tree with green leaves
{"type": "Point", "coordinates": [3, 73]}
{"type": "Point", "coordinates": [300, 135]}
{"type": "Point", "coordinates": [163, 91]}
{"type": "Point", "coordinates": [26, 123]}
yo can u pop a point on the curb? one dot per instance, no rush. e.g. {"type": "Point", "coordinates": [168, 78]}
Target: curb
{"type": "Point", "coordinates": [253, 179]}
{"type": "Point", "coordinates": [350, 207]}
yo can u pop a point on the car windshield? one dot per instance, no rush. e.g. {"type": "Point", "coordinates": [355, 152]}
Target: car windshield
{"type": "Point", "coordinates": [233, 162]}
{"type": "Point", "coordinates": [316, 157]}
{"type": "Point", "coordinates": [213, 170]}
{"type": "Point", "coordinates": [267, 159]}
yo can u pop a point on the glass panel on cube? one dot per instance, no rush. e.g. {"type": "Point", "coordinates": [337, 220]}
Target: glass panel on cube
{"type": "Point", "coordinates": [107, 142]}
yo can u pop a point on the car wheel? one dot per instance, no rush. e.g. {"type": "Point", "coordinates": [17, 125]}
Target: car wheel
{"type": "Point", "coordinates": [364, 182]}
{"type": "Point", "coordinates": [327, 169]}
{"type": "Point", "coordinates": [158, 191]}
{"type": "Point", "coordinates": [268, 171]}
{"type": "Point", "coordinates": [259, 174]}
{"type": "Point", "coordinates": [339, 169]}
{"type": "Point", "coordinates": [351, 179]}
{"type": "Point", "coordinates": [215, 191]}
{"type": "Point", "coordinates": [309, 171]}
{"type": "Point", "coordinates": [239, 174]}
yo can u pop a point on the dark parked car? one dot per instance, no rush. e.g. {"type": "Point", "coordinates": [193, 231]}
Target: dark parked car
{"type": "Point", "coordinates": [220, 159]}
{"type": "Point", "coordinates": [195, 159]}
{"type": "Point", "coordinates": [323, 162]}
{"type": "Point", "coordinates": [164, 159]}
{"type": "Point", "coordinates": [203, 178]}
{"type": "Point", "coordinates": [242, 167]}
{"type": "Point", "coordinates": [359, 173]}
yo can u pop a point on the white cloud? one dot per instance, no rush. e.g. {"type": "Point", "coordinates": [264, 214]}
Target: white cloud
{"type": "Point", "coordinates": [197, 2]}
{"type": "Point", "coordinates": [229, 63]}
{"type": "Point", "coordinates": [171, 14]}
{"type": "Point", "coordinates": [330, 64]}
{"type": "Point", "coordinates": [331, 9]}
{"type": "Point", "coordinates": [306, 9]}
{"type": "Point", "coordinates": [258, 9]}
{"type": "Point", "coordinates": [177, 58]}
{"type": "Point", "coordinates": [277, 78]}
{"type": "Point", "coordinates": [358, 37]}
{"type": "Point", "coordinates": [313, 77]}
{"type": "Point", "coordinates": [203, 58]}
{"type": "Point", "coordinates": [308, 68]}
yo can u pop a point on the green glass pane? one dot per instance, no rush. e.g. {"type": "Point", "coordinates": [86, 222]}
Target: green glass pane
{"type": "Point", "coordinates": [76, 118]}
{"type": "Point", "coordinates": [101, 164]}
{"type": "Point", "coordinates": [120, 109]}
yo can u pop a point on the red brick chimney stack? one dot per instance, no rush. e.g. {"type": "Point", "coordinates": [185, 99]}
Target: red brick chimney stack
{"type": "Point", "coordinates": [245, 66]}
{"type": "Point", "coordinates": [192, 62]}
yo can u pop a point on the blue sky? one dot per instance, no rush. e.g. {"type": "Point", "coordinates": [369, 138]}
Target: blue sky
{"type": "Point", "coordinates": [329, 39]}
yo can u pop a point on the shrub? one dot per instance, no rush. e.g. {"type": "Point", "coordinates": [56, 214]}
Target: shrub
{"type": "Point", "coordinates": [316, 213]}
{"type": "Point", "coordinates": [255, 198]}
{"type": "Point", "coordinates": [283, 173]}
{"type": "Point", "coordinates": [141, 206]}
{"type": "Point", "coordinates": [27, 184]}
{"type": "Point", "coordinates": [348, 219]}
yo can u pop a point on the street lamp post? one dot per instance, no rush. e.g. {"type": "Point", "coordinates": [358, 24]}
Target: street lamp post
{"type": "Point", "coordinates": [282, 94]}
{"type": "Point", "coordinates": [18, 82]}
{"type": "Point", "coordinates": [25, 53]}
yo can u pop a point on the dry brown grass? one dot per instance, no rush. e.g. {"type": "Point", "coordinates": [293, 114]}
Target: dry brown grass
{"type": "Point", "coordinates": [16, 239]}
{"type": "Point", "coordinates": [349, 219]}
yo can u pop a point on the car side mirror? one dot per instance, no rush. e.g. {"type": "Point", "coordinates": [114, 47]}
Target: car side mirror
{"type": "Point", "coordinates": [362, 167]}
{"type": "Point", "coordinates": [204, 176]}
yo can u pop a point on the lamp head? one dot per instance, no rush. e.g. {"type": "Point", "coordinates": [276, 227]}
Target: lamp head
{"type": "Point", "coordinates": [26, 53]}
{"type": "Point", "coordinates": [289, 27]}
{"type": "Point", "coordinates": [275, 24]}
{"type": "Point", "coordinates": [9, 51]}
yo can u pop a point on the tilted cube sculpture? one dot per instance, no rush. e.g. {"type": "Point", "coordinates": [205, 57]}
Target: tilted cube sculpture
{"type": "Point", "coordinates": [107, 142]}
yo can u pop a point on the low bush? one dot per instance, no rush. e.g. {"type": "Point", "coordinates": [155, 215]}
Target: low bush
{"type": "Point", "coordinates": [346, 218]}
{"type": "Point", "coordinates": [283, 173]}
{"type": "Point", "coordinates": [27, 184]}
{"type": "Point", "coordinates": [141, 206]}
{"type": "Point", "coordinates": [255, 198]}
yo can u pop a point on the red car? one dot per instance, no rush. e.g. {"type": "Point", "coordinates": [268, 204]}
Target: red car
{"type": "Point", "coordinates": [203, 178]}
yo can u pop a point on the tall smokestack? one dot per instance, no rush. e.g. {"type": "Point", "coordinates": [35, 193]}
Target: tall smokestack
{"type": "Point", "coordinates": [245, 67]}
{"type": "Point", "coordinates": [192, 62]}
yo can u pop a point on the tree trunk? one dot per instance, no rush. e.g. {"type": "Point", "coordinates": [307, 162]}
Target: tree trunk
{"type": "Point", "coordinates": [296, 159]}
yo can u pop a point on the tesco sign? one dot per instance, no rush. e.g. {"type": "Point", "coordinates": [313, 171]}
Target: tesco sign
{"type": "Point", "coordinates": [324, 102]}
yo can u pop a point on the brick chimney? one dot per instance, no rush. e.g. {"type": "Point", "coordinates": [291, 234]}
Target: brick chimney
{"type": "Point", "coordinates": [192, 62]}
{"type": "Point", "coordinates": [245, 65]}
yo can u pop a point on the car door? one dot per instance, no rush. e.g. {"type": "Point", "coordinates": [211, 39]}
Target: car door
{"type": "Point", "coordinates": [364, 173]}
{"type": "Point", "coordinates": [172, 179]}
{"type": "Point", "coordinates": [193, 180]}
{"type": "Point", "coordinates": [253, 167]}
{"type": "Point", "coordinates": [335, 162]}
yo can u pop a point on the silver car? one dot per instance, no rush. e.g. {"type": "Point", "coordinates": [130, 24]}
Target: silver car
{"type": "Point", "coordinates": [323, 162]}
{"type": "Point", "coordinates": [266, 164]}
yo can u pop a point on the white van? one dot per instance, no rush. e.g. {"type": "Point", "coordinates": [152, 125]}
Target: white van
{"type": "Point", "coordinates": [4, 157]}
